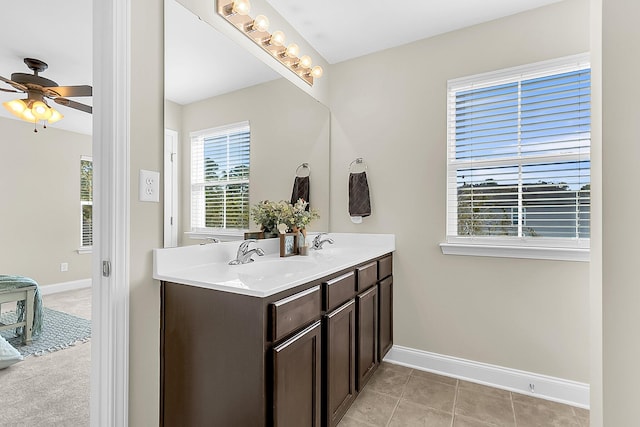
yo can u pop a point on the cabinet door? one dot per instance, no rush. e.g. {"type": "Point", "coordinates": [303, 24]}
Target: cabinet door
{"type": "Point", "coordinates": [340, 349]}
{"type": "Point", "coordinates": [386, 316]}
{"type": "Point", "coordinates": [296, 379]}
{"type": "Point", "coordinates": [367, 356]}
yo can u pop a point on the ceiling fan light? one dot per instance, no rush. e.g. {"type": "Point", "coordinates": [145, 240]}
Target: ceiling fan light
{"type": "Point", "coordinates": [55, 116]}
{"type": "Point", "coordinates": [15, 107]}
{"type": "Point", "coordinates": [28, 116]}
{"type": "Point", "coordinates": [40, 110]}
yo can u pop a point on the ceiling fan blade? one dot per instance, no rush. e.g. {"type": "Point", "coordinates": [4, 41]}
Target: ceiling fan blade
{"type": "Point", "coordinates": [74, 104]}
{"type": "Point", "coordinates": [18, 86]}
{"type": "Point", "coordinates": [9, 90]}
{"type": "Point", "coordinates": [70, 91]}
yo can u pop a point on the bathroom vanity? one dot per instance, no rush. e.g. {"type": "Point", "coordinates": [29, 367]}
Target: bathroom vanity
{"type": "Point", "coordinates": [276, 342]}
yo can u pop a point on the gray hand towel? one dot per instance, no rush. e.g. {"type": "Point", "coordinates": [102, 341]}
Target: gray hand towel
{"type": "Point", "coordinates": [359, 201]}
{"type": "Point", "coordinates": [300, 190]}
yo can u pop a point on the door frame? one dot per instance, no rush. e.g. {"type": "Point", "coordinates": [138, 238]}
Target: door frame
{"type": "Point", "coordinates": [110, 296]}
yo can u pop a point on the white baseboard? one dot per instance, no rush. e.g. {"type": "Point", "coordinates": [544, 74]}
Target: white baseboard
{"type": "Point", "coordinates": [65, 286]}
{"type": "Point", "coordinates": [545, 387]}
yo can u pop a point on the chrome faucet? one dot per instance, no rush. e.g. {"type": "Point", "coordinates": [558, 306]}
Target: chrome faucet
{"type": "Point", "coordinates": [318, 241]}
{"type": "Point", "coordinates": [244, 254]}
{"type": "Point", "coordinates": [210, 240]}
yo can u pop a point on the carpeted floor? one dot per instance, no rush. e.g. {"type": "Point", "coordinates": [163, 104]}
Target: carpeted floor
{"type": "Point", "coordinates": [52, 389]}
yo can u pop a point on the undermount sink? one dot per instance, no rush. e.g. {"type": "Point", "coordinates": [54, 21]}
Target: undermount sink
{"type": "Point", "coordinates": [270, 268]}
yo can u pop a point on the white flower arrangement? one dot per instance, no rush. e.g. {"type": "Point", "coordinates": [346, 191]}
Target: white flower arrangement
{"type": "Point", "coordinates": [283, 216]}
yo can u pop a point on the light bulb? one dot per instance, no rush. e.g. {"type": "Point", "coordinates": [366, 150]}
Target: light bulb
{"type": "Point", "coordinates": [277, 38]}
{"type": "Point", "coordinates": [261, 23]}
{"type": "Point", "coordinates": [292, 50]}
{"type": "Point", "coordinates": [55, 116]}
{"type": "Point", "coordinates": [305, 61]}
{"type": "Point", "coordinates": [28, 116]}
{"type": "Point", "coordinates": [316, 72]}
{"type": "Point", "coordinates": [40, 110]}
{"type": "Point", "coordinates": [241, 7]}
{"type": "Point", "coordinates": [15, 107]}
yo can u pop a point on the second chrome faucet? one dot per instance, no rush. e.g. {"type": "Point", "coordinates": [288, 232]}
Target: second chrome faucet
{"type": "Point", "coordinates": [244, 253]}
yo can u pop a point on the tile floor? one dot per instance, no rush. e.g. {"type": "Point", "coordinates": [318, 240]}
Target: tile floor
{"type": "Point", "coordinates": [399, 396]}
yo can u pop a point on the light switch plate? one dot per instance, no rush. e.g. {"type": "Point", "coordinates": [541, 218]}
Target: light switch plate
{"type": "Point", "coordinates": [149, 186]}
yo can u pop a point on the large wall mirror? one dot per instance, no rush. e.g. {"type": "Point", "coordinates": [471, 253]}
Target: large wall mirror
{"type": "Point", "coordinates": [211, 82]}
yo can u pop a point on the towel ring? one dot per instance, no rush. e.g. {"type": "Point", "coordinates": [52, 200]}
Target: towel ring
{"type": "Point", "coordinates": [357, 162]}
{"type": "Point", "coordinates": [303, 166]}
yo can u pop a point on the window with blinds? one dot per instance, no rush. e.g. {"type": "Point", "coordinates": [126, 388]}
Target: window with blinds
{"type": "Point", "coordinates": [519, 155]}
{"type": "Point", "coordinates": [220, 178]}
{"type": "Point", "coordinates": [86, 202]}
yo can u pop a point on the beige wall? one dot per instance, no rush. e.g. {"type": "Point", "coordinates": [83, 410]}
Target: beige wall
{"type": "Point", "coordinates": [390, 109]}
{"type": "Point", "coordinates": [288, 127]}
{"type": "Point", "coordinates": [620, 207]}
{"type": "Point", "coordinates": [40, 190]}
{"type": "Point", "coordinates": [146, 139]}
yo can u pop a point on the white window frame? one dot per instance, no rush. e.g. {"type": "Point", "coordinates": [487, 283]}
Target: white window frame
{"type": "Point", "coordinates": [84, 249]}
{"type": "Point", "coordinates": [198, 231]}
{"type": "Point", "coordinates": [567, 249]}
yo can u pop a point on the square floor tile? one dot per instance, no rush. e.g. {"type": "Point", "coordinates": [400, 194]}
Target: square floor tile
{"type": "Point", "coordinates": [491, 391]}
{"type": "Point", "coordinates": [372, 408]}
{"type": "Point", "coordinates": [545, 414]}
{"type": "Point", "coordinates": [432, 394]}
{"type": "Point", "coordinates": [409, 414]}
{"type": "Point", "coordinates": [485, 407]}
{"type": "Point", "coordinates": [462, 421]}
{"type": "Point", "coordinates": [434, 377]}
{"type": "Point", "coordinates": [389, 379]}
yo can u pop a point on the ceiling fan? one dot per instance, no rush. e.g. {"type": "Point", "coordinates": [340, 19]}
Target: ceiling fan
{"type": "Point", "coordinates": [35, 108]}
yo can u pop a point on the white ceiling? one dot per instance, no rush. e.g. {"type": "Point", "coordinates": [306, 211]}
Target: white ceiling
{"type": "Point", "coordinates": [345, 29]}
{"type": "Point", "coordinates": [57, 32]}
{"type": "Point", "coordinates": [338, 29]}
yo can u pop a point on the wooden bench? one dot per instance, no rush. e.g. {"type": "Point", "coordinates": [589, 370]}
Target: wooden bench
{"type": "Point", "coordinates": [25, 293]}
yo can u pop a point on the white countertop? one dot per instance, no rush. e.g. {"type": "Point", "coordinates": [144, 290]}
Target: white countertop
{"type": "Point", "coordinates": [207, 266]}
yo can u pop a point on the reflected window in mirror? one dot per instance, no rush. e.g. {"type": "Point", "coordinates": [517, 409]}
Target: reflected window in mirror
{"type": "Point", "coordinates": [86, 203]}
{"type": "Point", "coordinates": [220, 178]}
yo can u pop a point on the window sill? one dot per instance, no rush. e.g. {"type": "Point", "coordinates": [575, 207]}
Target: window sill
{"type": "Point", "coordinates": [527, 252]}
{"type": "Point", "coordinates": [85, 250]}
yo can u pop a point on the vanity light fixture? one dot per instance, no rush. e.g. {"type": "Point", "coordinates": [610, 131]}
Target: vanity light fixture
{"type": "Point", "coordinates": [236, 12]}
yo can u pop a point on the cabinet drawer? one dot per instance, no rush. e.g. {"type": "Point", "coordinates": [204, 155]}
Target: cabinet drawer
{"type": "Point", "coordinates": [291, 313]}
{"type": "Point", "coordinates": [385, 267]}
{"type": "Point", "coordinates": [339, 290]}
{"type": "Point", "coordinates": [367, 276]}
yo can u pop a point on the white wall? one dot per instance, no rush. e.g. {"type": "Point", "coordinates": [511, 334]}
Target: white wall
{"type": "Point", "coordinates": [40, 199]}
{"type": "Point", "coordinates": [620, 207]}
{"type": "Point", "coordinates": [390, 109]}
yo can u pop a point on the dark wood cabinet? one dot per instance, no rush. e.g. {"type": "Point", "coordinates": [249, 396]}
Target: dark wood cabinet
{"type": "Point", "coordinates": [385, 324]}
{"type": "Point", "coordinates": [295, 358]}
{"type": "Point", "coordinates": [340, 362]}
{"type": "Point", "coordinates": [297, 379]}
{"type": "Point", "coordinates": [367, 335]}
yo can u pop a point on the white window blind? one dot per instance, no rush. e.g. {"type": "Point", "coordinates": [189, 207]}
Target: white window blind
{"type": "Point", "coordinates": [86, 202]}
{"type": "Point", "coordinates": [220, 178]}
{"type": "Point", "coordinates": [519, 156]}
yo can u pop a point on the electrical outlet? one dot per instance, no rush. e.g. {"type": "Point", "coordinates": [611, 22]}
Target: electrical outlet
{"type": "Point", "coordinates": [64, 266]}
{"type": "Point", "coordinates": [149, 190]}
